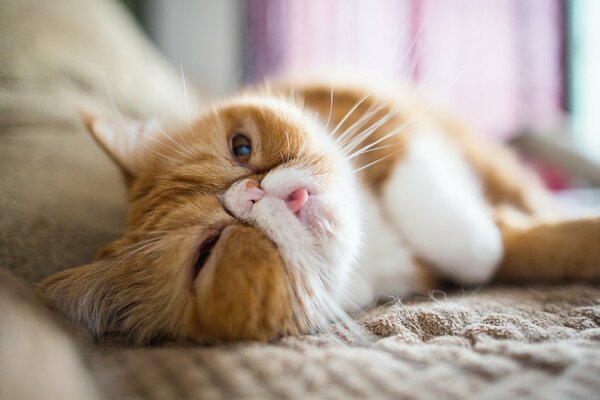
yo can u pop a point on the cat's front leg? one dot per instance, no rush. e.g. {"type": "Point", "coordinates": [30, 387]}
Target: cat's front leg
{"type": "Point", "coordinates": [436, 203]}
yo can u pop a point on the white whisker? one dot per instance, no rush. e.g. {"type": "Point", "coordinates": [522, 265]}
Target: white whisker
{"type": "Point", "coordinates": [358, 139]}
{"type": "Point", "coordinates": [414, 42]}
{"type": "Point", "coordinates": [363, 151]}
{"type": "Point", "coordinates": [330, 109]}
{"type": "Point", "coordinates": [376, 161]}
{"type": "Point", "coordinates": [356, 105]}
{"type": "Point", "coordinates": [126, 126]}
{"type": "Point", "coordinates": [367, 115]}
{"type": "Point", "coordinates": [187, 104]}
{"type": "Point", "coordinates": [185, 151]}
{"type": "Point", "coordinates": [404, 126]}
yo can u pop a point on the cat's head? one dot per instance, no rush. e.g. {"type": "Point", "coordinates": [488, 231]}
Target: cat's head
{"type": "Point", "coordinates": [241, 225]}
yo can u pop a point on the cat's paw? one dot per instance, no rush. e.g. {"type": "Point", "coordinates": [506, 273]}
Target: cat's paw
{"type": "Point", "coordinates": [437, 204]}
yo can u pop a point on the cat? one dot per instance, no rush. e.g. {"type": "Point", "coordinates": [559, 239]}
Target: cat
{"type": "Point", "coordinates": [290, 205]}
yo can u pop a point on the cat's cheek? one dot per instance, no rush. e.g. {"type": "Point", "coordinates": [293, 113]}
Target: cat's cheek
{"type": "Point", "coordinates": [243, 292]}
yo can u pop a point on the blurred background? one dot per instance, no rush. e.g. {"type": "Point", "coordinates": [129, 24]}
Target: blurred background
{"type": "Point", "coordinates": [509, 67]}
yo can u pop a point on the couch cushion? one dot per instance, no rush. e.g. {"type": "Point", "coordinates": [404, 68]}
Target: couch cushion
{"type": "Point", "coordinates": [63, 55]}
{"type": "Point", "coordinates": [61, 199]}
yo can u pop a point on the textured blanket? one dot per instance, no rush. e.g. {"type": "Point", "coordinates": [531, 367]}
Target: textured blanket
{"type": "Point", "coordinates": [529, 342]}
{"type": "Point", "coordinates": [541, 342]}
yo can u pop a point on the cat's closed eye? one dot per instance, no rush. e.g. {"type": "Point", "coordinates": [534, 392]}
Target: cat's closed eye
{"type": "Point", "coordinates": [241, 147]}
{"type": "Point", "coordinates": [204, 253]}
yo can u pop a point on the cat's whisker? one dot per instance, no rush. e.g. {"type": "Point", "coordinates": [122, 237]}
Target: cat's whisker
{"type": "Point", "coordinates": [413, 66]}
{"type": "Point", "coordinates": [163, 157]}
{"type": "Point", "coordinates": [350, 112]}
{"type": "Point", "coordinates": [361, 137]}
{"type": "Point", "coordinates": [376, 161]}
{"type": "Point", "coordinates": [412, 46]}
{"type": "Point", "coordinates": [299, 300]}
{"type": "Point", "coordinates": [151, 247]}
{"type": "Point", "coordinates": [388, 135]}
{"type": "Point", "coordinates": [112, 101]}
{"type": "Point", "coordinates": [415, 119]}
{"type": "Point", "coordinates": [162, 238]}
{"type": "Point", "coordinates": [358, 139]}
{"type": "Point", "coordinates": [126, 126]}
{"type": "Point", "coordinates": [185, 150]}
{"type": "Point", "coordinates": [354, 127]}
{"type": "Point", "coordinates": [150, 137]}
{"type": "Point", "coordinates": [303, 147]}
{"type": "Point", "coordinates": [187, 103]}
{"type": "Point", "coordinates": [363, 151]}
{"type": "Point", "coordinates": [403, 127]}
{"type": "Point", "coordinates": [289, 142]}
{"type": "Point", "coordinates": [330, 109]}
{"type": "Point", "coordinates": [358, 124]}
{"type": "Point", "coordinates": [179, 230]}
{"type": "Point", "coordinates": [328, 316]}
{"type": "Point", "coordinates": [139, 247]}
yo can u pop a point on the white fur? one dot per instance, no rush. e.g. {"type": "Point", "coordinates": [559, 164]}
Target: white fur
{"type": "Point", "coordinates": [306, 264]}
{"type": "Point", "coordinates": [283, 181]}
{"type": "Point", "coordinates": [386, 265]}
{"type": "Point", "coordinates": [437, 204]}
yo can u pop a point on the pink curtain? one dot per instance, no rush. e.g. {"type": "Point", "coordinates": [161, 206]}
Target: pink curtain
{"type": "Point", "coordinates": [497, 62]}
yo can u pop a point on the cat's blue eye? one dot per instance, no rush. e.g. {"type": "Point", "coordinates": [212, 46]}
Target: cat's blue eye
{"type": "Point", "coordinates": [241, 147]}
{"type": "Point", "coordinates": [242, 150]}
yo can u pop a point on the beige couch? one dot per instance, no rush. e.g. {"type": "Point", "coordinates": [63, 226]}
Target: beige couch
{"type": "Point", "coordinates": [61, 199]}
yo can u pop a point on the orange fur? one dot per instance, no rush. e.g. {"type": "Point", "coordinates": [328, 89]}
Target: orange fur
{"type": "Point", "coordinates": [542, 249]}
{"type": "Point", "coordinates": [248, 277]}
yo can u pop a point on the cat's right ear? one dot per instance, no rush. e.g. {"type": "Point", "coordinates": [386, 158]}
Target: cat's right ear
{"type": "Point", "coordinates": [126, 141]}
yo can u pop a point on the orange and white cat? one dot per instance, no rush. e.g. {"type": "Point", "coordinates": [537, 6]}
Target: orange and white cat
{"type": "Point", "coordinates": [280, 210]}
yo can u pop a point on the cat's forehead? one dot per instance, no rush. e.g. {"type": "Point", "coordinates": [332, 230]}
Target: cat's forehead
{"type": "Point", "coordinates": [276, 126]}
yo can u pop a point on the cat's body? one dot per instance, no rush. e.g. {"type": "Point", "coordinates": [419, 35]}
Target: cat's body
{"type": "Point", "coordinates": [429, 204]}
{"type": "Point", "coordinates": [278, 211]}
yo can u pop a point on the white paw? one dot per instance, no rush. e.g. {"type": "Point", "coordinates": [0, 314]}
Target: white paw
{"type": "Point", "coordinates": [436, 203]}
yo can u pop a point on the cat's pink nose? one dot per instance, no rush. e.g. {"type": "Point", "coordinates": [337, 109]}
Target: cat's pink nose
{"type": "Point", "coordinates": [296, 199]}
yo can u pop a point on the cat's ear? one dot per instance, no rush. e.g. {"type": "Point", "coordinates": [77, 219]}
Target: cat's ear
{"type": "Point", "coordinates": [126, 141]}
{"type": "Point", "coordinates": [93, 296]}
{"type": "Point", "coordinates": [106, 298]}
{"type": "Point", "coordinates": [76, 295]}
